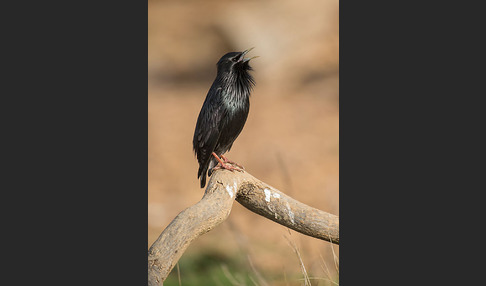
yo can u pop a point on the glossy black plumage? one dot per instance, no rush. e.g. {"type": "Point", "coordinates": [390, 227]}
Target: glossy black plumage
{"type": "Point", "coordinates": [224, 112]}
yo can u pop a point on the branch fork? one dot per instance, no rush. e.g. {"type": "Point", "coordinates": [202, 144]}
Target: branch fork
{"type": "Point", "coordinates": [215, 206]}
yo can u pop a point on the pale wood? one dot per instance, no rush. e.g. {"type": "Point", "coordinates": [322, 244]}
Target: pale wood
{"type": "Point", "coordinates": [223, 188]}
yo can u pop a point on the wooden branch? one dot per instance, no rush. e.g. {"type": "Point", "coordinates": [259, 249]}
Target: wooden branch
{"type": "Point", "coordinates": [269, 202]}
{"type": "Point", "coordinates": [211, 210]}
{"type": "Point", "coordinates": [215, 206]}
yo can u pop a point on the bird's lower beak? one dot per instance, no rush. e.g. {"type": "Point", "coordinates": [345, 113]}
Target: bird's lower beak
{"type": "Point", "coordinates": [242, 56]}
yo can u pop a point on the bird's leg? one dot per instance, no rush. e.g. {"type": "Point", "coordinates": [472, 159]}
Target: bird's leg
{"type": "Point", "coordinates": [231, 162]}
{"type": "Point", "coordinates": [222, 165]}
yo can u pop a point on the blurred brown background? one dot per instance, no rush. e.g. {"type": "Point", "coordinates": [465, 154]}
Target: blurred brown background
{"type": "Point", "coordinates": [290, 140]}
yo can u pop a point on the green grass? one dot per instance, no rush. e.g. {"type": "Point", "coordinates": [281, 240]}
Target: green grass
{"type": "Point", "coordinates": [210, 268]}
{"type": "Point", "coordinates": [216, 268]}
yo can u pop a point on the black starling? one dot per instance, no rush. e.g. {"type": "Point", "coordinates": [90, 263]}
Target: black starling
{"type": "Point", "coordinates": [223, 113]}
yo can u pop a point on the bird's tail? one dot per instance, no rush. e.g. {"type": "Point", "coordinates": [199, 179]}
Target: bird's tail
{"type": "Point", "coordinates": [203, 181]}
{"type": "Point", "coordinates": [203, 170]}
{"type": "Point", "coordinates": [201, 174]}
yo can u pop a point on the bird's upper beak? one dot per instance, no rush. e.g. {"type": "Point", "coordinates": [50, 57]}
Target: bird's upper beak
{"type": "Point", "coordinates": [242, 56]}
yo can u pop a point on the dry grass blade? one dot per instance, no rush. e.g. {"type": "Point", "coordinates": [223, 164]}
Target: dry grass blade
{"type": "Point", "coordinates": [179, 274]}
{"type": "Point", "coordinates": [258, 275]}
{"type": "Point", "coordinates": [301, 263]}
{"type": "Point", "coordinates": [253, 280]}
{"type": "Point", "coordinates": [285, 277]}
{"type": "Point", "coordinates": [321, 278]}
{"type": "Point", "coordinates": [328, 273]}
{"type": "Point", "coordinates": [230, 277]}
{"type": "Point", "coordinates": [336, 259]}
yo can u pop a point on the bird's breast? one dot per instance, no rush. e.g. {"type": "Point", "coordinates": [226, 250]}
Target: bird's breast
{"type": "Point", "coordinates": [235, 102]}
{"type": "Point", "coordinates": [234, 106]}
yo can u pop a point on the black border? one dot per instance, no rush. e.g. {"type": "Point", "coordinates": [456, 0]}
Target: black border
{"type": "Point", "coordinates": [409, 143]}
{"type": "Point", "coordinates": [76, 108]}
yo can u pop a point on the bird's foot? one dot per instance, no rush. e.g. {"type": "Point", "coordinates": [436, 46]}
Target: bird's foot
{"type": "Point", "coordinates": [231, 162]}
{"type": "Point", "coordinates": [227, 167]}
{"type": "Point", "coordinates": [226, 164]}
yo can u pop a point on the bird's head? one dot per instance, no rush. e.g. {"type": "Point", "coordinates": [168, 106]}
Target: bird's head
{"type": "Point", "coordinates": [234, 62]}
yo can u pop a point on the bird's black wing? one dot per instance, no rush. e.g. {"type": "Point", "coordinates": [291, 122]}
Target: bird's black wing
{"type": "Point", "coordinates": [207, 131]}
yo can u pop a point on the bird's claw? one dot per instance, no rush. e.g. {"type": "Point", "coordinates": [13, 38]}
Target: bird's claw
{"type": "Point", "coordinates": [228, 167]}
{"type": "Point", "coordinates": [231, 162]}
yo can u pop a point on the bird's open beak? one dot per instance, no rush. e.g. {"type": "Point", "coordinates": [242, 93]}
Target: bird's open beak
{"type": "Point", "coordinates": [242, 56]}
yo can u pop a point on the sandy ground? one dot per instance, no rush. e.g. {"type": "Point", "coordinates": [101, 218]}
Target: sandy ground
{"type": "Point", "coordinates": [290, 140]}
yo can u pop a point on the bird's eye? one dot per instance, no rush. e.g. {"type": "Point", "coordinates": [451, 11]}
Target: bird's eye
{"type": "Point", "coordinates": [235, 59]}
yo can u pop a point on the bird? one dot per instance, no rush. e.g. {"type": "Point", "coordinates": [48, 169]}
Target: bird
{"type": "Point", "coordinates": [223, 114]}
